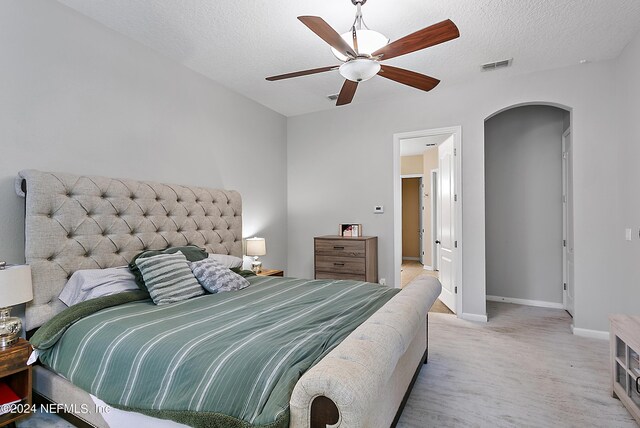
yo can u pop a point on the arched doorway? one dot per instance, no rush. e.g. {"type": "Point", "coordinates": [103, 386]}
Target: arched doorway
{"type": "Point", "coordinates": [528, 206]}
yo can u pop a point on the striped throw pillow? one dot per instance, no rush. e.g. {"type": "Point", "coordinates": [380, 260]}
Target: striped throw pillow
{"type": "Point", "coordinates": [216, 278]}
{"type": "Point", "coordinates": [168, 278]}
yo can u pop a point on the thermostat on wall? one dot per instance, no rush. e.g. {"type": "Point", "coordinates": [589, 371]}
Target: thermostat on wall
{"type": "Point", "coordinates": [378, 209]}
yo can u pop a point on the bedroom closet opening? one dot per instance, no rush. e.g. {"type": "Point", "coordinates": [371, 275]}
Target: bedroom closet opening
{"type": "Point", "coordinates": [529, 207]}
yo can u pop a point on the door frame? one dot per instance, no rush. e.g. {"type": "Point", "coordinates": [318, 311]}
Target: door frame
{"type": "Point", "coordinates": [435, 176]}
{"type": "Point", "coordinates": [421, 221]}
{"type": "Point", "coordinates": [397, 205]}
{"type": "Point", "coordinates": [567, 182]}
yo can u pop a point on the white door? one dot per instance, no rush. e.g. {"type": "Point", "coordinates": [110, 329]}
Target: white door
{"type": "Point", "coordinates": [567, 211]}
{"type": "Point", "coordinates": [421, 221]}
{"type": "Point", "coordinates": [435, 248]}
{"type": "Point", "coordinates": [445, 219]}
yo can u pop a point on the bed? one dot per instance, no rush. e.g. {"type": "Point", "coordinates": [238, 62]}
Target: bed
{"type": "Point", "coordinates": [80, 222]}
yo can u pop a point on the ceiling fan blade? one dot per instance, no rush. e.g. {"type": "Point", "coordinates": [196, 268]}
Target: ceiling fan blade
{"type": "Point", "coordinates": [347, 92]}
{"type": "Point", "coordinates": [302, 73]}
{"type": "Point", "coordinates": [328, 34]}
{"type": "Point", "coordinates": [410, 78]}
{"type": "Point", "coordinates": [430, 36]}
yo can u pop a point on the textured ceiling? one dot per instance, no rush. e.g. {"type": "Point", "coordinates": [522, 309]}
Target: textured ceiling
{"type": "Point", "coordinates": [240, 42]}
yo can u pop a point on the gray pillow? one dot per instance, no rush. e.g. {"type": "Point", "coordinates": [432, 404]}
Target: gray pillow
{"type": "Point", "coordinates": [225, 260]}
{"type": "Point", "coordinates": [216, 278]}
{"type": "Point", "coordinates": [168, 278]}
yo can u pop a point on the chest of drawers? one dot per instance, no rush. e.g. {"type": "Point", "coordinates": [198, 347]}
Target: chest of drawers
{"type": "Point", "coordinates": [338, 257]}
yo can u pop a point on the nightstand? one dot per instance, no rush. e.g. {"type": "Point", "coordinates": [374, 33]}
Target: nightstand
{"type": "Point", "coordinates": [271, 272]}
{"type": "Point", "coordinates": [16, 374]}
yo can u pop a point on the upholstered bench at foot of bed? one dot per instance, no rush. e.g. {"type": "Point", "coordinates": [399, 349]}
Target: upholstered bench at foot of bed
{"type": "Point", "coordinates": [363, 381]}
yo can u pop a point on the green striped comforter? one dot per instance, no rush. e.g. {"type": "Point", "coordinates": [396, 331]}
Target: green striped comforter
{"type": "Point", "coordinates": [229, 359]}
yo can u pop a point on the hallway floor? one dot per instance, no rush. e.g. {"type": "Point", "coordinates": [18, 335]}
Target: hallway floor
{"type": "Point", "coordinates": [411, 269]}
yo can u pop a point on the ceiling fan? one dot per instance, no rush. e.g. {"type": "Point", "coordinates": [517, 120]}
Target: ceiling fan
{"type": "Point", "coordinates": [361, 50]}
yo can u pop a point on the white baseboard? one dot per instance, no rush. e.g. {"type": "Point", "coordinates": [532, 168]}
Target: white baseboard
{"type": "Point", "coordinates": [593, 334]}
{"type": "Point", "coordinates": [526, 302]}
{"type": "Point", "coordinates": [473, 317]}
{"type": "Point", "coordinates": [414, 259]}
{"type": "Point", "coordinates": [425, 267]}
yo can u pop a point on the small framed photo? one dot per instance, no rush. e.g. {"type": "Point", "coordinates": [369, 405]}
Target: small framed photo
{"type": "Point", "coordinates": [349, 229]}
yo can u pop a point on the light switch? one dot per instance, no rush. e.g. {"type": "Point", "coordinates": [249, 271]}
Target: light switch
{"type": "Point", "coordinates": [378, 209]}
{"type": "Point", "coordinates": [627, 234]}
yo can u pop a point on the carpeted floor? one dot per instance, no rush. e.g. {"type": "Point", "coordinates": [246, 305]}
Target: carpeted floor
{"type": "Point", "coordinates": [521, 369]}
{"type": "Point", "coordinates": [411, 269]}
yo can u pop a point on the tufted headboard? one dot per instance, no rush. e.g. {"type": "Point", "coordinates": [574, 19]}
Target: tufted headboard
{"type": "Point", "coordinates": [79, 222]}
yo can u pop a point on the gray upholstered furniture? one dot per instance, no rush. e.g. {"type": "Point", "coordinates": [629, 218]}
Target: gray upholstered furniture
{"type": "Point", "coordinates": [78, 222]}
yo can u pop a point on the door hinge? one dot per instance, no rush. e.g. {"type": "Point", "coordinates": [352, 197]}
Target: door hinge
{"type": "Point", "coordinates": [455, 198]}
{"type": "Point", "coordinates": [455, 244]}
{"type": "Point", "coordinates": [455, 152]}
{"type": "Point", "coordinates": [564, 242]}
{"type": "Point", "coordinates": [564, 155]}
{"type": "Point", "coordinates": [455, 289]}
{"type": "Point", "coordinates": [564, 286]}
{"type": "Point", "coordinates": [564, 199]}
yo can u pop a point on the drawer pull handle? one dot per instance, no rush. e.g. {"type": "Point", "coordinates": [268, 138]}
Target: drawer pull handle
{"type": "Point", "coordinates": [638, 386]}
{"type": "Point", "coordinates": [338, 264]}
{"type": "Point", "coordinates": [338, 248]}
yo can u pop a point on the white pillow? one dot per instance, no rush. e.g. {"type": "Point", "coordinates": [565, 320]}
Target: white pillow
{"type": "Point", "coordinates": [91, 283]}
{"type": "Point", "coordinates": [246, 262]}
{"type": "Point", "coordinates": [227, 260]}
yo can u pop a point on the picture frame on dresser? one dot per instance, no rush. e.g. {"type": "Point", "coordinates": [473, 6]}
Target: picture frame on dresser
{"type": "Point", "coordinates": [350, 229]}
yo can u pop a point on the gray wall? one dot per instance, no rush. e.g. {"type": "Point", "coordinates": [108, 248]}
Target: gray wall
{"type": "Point", "coordinates": [78, 97]}
{"type": "Point", "coordinates": [628, 156]}
{"type": "Point", "coordinates": [318, 177]}
{"type": "Point", "coordinates": [523, 203]}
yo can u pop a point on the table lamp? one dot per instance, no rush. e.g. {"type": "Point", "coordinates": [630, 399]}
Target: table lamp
{"type": "Point", "coordinates": [15, 288]}
{"type": "Point", "coordinates": [256, 247]}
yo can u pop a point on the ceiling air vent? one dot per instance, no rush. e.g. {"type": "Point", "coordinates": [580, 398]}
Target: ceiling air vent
{"type": "Point", "coordinates": [332, 97]}
{"type": "Point", "coordinates": [498, 64]}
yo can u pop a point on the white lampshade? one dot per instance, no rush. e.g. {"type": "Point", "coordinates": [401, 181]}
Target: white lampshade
{"type": "Point", "coordinates": [359, 70]}
{"type": "Point", "coordinates": [256, 247]}
{"type": "Point", "coordinates": [369, 41]}
{"type": "Point", "coordinates": [15, 285]}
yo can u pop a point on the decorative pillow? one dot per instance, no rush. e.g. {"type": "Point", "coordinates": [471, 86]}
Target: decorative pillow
{"type": "Point", "coordinates": [216, 278]}
{"type": "Point", "coordinates": [191, 252]}
{"type": "Point", "coordinates": [168, 278]}
{"type": "Point", "coordinates": [225, 260]}
{"type": "Point", "coordinates": [91, 283]}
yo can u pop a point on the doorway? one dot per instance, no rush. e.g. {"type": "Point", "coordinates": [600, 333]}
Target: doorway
{"type": "Point", "coordinates": [526, 206]}
{"type": "Point", "coordinates": [442, 218]}
{"type": "Point", "coordinates": [412, 210]}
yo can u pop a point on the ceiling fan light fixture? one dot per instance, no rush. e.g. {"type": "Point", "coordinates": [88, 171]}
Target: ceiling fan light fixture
{"type": "Point", "coordinates": [359, 70]}
{"type": "Point", "coordinates": [369, 41]}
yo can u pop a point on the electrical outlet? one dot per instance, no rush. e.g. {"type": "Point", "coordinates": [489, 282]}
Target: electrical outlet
{"type": "Point", "coordinates": [383, 281]}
